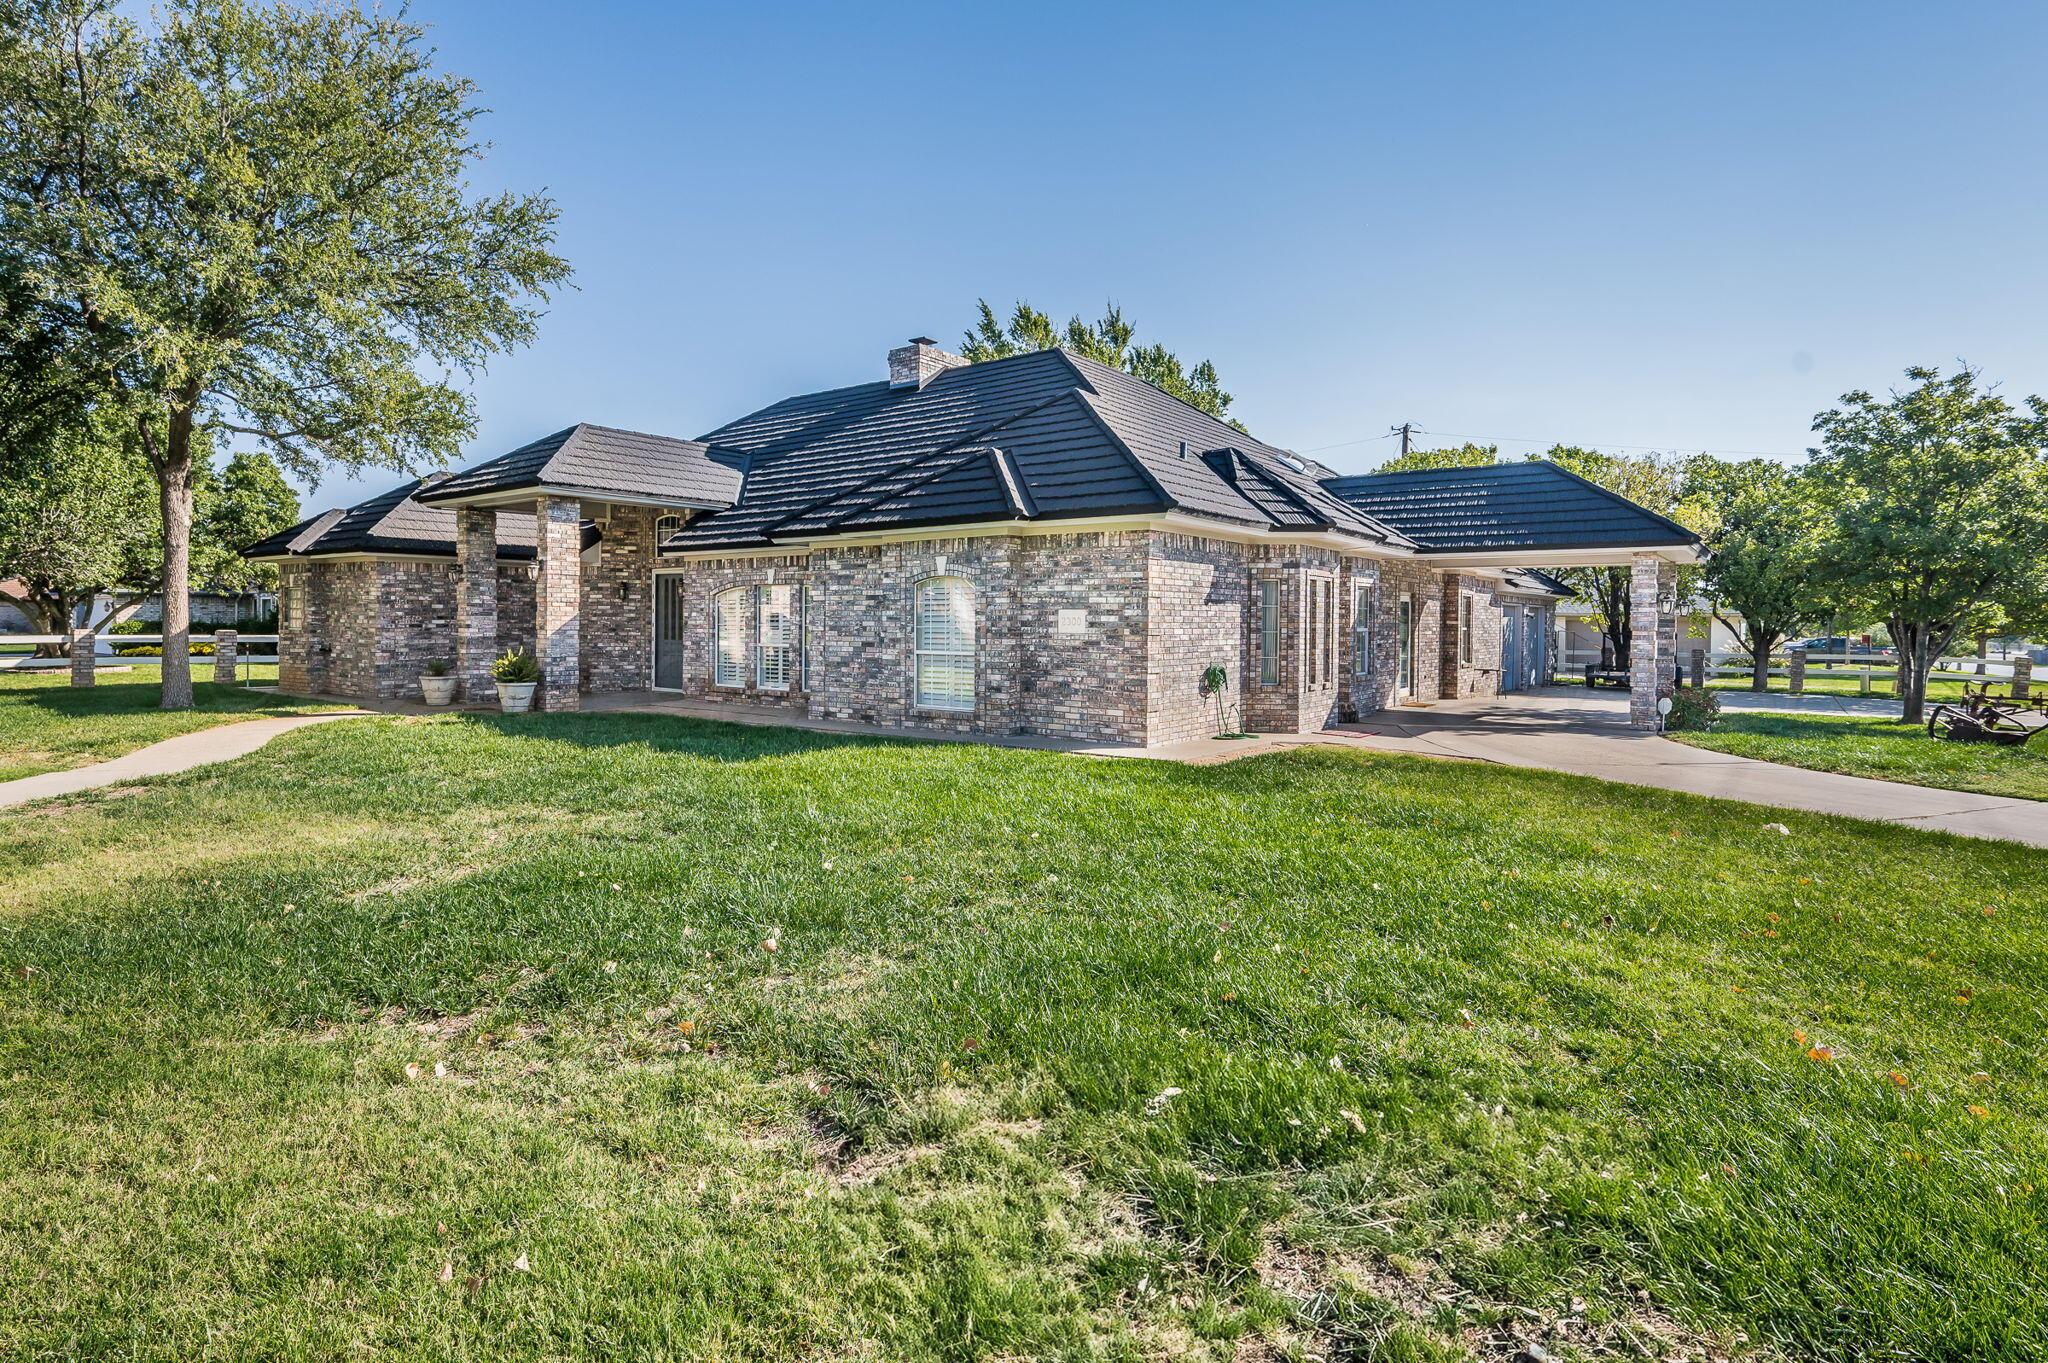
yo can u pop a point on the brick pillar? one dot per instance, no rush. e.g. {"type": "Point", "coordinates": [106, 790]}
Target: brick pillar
{"type": "Point", "coordinates": [1796, 672]}
{"type": "Point", "coordinates": [1645, 634]}
{"type": "Point", "coordinates": [2022, 677]}
{"type": "Point", "coordinates": [81, 643]}
{"type": "Point", "coordinates": [224, 657]}
{"type": "Point", "coordinates": [557, 599]}
{"type": "Point", "coordinates": [1699, 668]}
{"type": "Point", "coordinates": [476, 603]}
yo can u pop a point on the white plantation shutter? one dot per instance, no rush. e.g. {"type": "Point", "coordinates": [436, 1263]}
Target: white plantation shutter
{"type": "Point", "coordinates": [778, 637]}
{"type": "Point", "coordinates": [945, 644]}
{"type": "Point", "coordinates": [729, 628]}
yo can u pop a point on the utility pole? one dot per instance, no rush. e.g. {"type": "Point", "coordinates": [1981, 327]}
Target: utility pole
{"type": "Point", "coordinates": [1406, 429]}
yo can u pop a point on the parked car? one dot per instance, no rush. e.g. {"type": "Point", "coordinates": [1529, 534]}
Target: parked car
{"type": "Point", "coordinates": [1837, 646]}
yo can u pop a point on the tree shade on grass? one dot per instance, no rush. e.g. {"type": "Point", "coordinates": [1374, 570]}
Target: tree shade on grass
{"type": "Point", "coordinates": [46, 724]}
{"type": "Point", "coordinates": [1885, 749]}
{"type": "Point", "coordinates": [609, 1035]}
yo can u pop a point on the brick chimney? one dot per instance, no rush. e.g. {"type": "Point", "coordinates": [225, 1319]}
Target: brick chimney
{"type": "Point", "coordinates": [917, 364]}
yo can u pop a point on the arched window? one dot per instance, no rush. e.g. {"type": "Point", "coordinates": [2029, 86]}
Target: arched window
{"type": "Point", "coordinates": [664, 528]}
{"type": "Point", "coordinates": [729, 635]}
{"type": "Point", "coordinates": [945, 644]}
{"type": "Point", "coordinates": [778, 636]}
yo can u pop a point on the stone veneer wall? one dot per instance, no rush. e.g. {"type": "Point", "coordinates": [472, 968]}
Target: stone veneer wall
{"type": "Point", "coordinates": [617, 630]}
{"type": "Point", "coordinates": [368, 627]}
{"type": "Point", "coordinates": [1198, 615]}
{"type": "Point", "coordinates": [1481, 676]}
{"type": "Point", "coordinates": [1424, 586]}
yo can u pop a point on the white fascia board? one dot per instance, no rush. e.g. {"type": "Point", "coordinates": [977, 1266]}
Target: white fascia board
{"type": "Point", "coordinates": [1563, 558]}
{"type": "Point", "coordinates": [1169, 523]}
{"type": "Point", "coordinates": [524, 498]}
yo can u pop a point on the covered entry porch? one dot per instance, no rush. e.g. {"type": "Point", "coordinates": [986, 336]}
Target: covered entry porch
{"type": "Point", "coordinates": [1652, 600]}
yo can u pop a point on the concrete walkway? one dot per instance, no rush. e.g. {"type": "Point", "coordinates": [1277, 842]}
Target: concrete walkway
{"type": "Point", "coordinates": [1568, 729]}
{"type": "Point", "coordinates": [186, 751]}
{"type": "Point", "coordinates": [1811, 703]}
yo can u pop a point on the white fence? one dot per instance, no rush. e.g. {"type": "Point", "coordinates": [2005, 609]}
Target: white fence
{"type": "Point", "coordinates": [1873, 675]}
{"type": "Point", "coordinates": [108, 646]}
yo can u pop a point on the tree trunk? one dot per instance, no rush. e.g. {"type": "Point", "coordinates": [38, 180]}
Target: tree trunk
{"type": "Point", "coordinates": [174, 486]}
{"type": "Point", "coordinates": [1760, 661]}
{"type": "Point", "coordinates": [1913, 642]}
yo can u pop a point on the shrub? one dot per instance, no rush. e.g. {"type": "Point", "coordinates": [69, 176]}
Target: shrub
{"type": "Point", "coordinates": [1693, 707]}
{"type": "Point", "coordinates": [516, 665]}
{"type": "Point", "coordinates": [437, 667]}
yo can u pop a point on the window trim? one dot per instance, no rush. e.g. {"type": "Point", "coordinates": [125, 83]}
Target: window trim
{"type": "Point", "coordinates": [762, 595]}
{"type": "Point", "coordinates": [735, 600]}
{"type": "Point", "coordinates": [1361, 628]}
{"type": "Point", "coordinates": [918, 652]}
{"type": "Point", "coordinates": [1466, 614]}
{"type": "Point", "coordinates": [1269, 631]}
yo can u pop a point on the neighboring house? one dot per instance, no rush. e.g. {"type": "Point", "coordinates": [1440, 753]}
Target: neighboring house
{"type": "Point", "coordinates": [1581, 641]}
{"type": "Point", "coordinates": [1039, 545]}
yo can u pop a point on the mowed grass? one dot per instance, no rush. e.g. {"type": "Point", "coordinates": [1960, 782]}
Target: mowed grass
{"type": "Point", "coordinates": [627, 1036]}
{"type": "Point", "coordinates": [46, 724]}
{"type": "Point", "coordinates": [1880, 748]}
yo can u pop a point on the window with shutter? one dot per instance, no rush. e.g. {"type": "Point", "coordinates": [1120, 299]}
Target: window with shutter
{"type": "Point", "coordinates": [945, 644]}
{"type": "Point", "coordinates": [778, 637]}
{"type": "Point", "coordinates": [729, 637]}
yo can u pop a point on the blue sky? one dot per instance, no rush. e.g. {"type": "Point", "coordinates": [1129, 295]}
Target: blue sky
{"type": "Point", "coordinates": [1679, 227]}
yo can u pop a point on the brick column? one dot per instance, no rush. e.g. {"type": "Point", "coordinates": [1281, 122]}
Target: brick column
{"type": "Point", "coordinates": [476, 601]}
{"type": "Point", "coordinates": [1795, 672]}
{"type": "Point", "coordinates": [2022, 677]}
{"type": "Point", "coordinates": [224, 657]}
{"type": "Point", "coordinates": [1645, 634]}
{"type": "Point", "coordinates": [557, 599]}
{"type": "Point", "coordinates": [81, 643]}
{"type": "Point", "coordinates": [1699, 668]}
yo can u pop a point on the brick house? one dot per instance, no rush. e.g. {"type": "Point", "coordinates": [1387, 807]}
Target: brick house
{"type": "Point", "coordinates": [1037, 545]}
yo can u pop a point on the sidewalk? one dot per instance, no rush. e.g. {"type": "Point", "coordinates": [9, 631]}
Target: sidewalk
{"type": "Point", "coordinates": [186, 751]}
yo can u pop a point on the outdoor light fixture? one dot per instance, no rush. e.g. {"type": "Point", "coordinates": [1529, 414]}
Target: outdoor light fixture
{"type": "Point", "coordinates": [533, 572]}
{"type": "Point", "coordinates": [1667, 603]}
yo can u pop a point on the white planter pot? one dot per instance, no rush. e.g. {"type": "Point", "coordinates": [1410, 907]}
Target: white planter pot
{"type": "Point", "coordinates": [437, 690]}
{"type": "Point", "coordinates": [516, 698]}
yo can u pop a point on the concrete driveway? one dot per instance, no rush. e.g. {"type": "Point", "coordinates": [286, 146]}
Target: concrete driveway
{"type": "Point", "coordinates": [1587, 733]}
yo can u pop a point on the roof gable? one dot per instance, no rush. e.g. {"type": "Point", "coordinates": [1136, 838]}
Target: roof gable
{"type": "Point", "coordinates": [602, 459]}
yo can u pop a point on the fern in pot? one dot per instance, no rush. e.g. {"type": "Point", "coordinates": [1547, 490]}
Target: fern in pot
{"type": "Point", "coordinates": [516, 673]}
{"type": "Point", "coordinates": [437, 683]}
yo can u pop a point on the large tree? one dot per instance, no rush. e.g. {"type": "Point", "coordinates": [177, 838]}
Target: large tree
{"type": "Point", "coordinates": [1465, 456]}
{"type": "Point", "coordinates": [77, 517]}
{"type": "Point", "coordinates": [1108, 341]}
{"type": "Point", "coordinates": [1761, 570]}
{"type": "Point", "coordinates": [255, 220]}
{"type": "Point", "coordinates": [1939, 498]}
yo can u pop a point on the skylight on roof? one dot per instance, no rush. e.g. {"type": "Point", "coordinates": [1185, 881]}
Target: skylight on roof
{"type": "Point", "coordinates": [1293, 461]}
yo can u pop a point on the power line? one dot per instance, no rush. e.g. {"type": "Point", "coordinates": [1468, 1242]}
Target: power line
{"type": "Point", "coordinates": [1536, 440]}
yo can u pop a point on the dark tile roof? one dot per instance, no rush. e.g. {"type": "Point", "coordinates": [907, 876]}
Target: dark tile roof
{"type": "Point", "coordinates": [1036, 436]}
{"type": "Point", "coordinates": [1532, 505]}
{"type": "Point", "coordinates": [1530, 581]}
{"type": "Point", "coordinates": [393, 522]}
{"type": "Point", "coordinates": [603, 459]}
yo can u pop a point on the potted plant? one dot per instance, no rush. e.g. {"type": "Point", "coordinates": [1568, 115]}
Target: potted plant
{"type": "Point", "coordinates": [437, 686]}
{"type": "Point", "coordinates": [516, 673]}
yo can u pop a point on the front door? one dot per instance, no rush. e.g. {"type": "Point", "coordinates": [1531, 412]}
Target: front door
{"type": "Point", "coordinates": [668, 631]}
{"type": "Point", "coordinates": [1405, 626]}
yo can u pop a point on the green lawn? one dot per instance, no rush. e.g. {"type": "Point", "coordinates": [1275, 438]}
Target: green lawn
{"type": "Point", "coordinates": [631, 1037]}
{"type": "Point", "coordinates": [1881, 748]}
{"type": "Point", "coordinates": [47, 725]}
